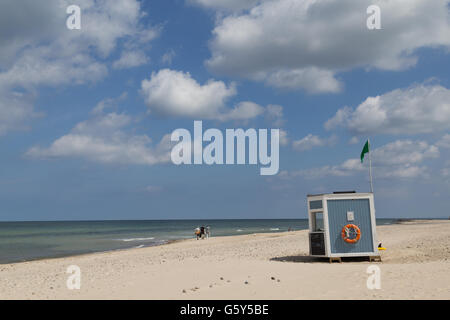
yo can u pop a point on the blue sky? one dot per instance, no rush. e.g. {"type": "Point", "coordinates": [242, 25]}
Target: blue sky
{"type": "Point", "coordinates": [85, 114]}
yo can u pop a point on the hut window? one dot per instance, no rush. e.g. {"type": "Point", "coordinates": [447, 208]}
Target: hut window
{"type": "Point", "coordinates": [316, 204]}
{"type": "Point", "coordinates": [317, 221]}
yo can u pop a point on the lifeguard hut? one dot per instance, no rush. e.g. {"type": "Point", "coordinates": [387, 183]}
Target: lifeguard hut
{"type": "Point", "coordinates": [342, 224]}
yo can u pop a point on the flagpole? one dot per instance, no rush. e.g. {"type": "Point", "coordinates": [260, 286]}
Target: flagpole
{"type": "Point", "coordinates": [370, 167]}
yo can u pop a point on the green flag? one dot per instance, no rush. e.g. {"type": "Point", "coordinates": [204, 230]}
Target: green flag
{"type": "Point", "coordinates": [364, 150]}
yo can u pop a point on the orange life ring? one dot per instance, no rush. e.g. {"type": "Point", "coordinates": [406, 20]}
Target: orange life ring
{"type": "Point", "coordinates": [345, 233]}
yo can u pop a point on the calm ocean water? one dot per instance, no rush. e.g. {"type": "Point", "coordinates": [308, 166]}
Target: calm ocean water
{"type": "Point", "coordinates": [23, 241]}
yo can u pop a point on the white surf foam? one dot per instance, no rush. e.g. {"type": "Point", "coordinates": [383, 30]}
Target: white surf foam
{"type": "Point", "coordinates": [136, 239]}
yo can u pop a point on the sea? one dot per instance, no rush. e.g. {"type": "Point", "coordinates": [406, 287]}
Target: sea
{"type": "Point", "coordinates": [25, 241]}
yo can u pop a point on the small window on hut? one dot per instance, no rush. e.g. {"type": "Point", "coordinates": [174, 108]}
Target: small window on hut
{"type": "Point", "coordinates": [317, 221]}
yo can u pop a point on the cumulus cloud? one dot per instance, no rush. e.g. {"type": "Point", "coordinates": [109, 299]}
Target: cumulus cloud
{"type": "Point", "coordinates": [41, 67]}
{"type": "Point", "coordinates": [311, 141]}
{"type": "Point", "coordinates": [404, 152]}
{"type": "Point", "coordinates": [38, 50]}
{"type": "Point", "coordinates": [131, 59]}
{"type": "Point", "coordinates": [102, 27]}
{"type": "Point", "coordinates": [398, 159]}
{"type": "Point", "coordinates": [304, 44]}
{"type": "Point", "coordinates": [176, 94]}
{"type": "Point", "coordinates": [104, 138]}
{"type": "Point", "coordinates": [414, 110]}
{"type": "Point", "coordinates": [18, 29]}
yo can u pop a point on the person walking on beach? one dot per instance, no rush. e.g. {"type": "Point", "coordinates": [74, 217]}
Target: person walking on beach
{"type": "Point", "coordinates": [197, 232]}
{"type": "Point", "coordinates": [202, 232]}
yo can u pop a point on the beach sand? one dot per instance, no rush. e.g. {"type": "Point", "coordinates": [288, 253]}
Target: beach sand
{"type": "Point", "coordinates": [416, 265]}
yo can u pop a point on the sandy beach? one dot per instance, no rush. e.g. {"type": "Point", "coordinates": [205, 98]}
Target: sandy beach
{"type": "Point", "coordinates": [415, 265]}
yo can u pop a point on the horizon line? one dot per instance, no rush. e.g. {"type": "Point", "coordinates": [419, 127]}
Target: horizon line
{"type": "Point", "coordinates": [214, 219]}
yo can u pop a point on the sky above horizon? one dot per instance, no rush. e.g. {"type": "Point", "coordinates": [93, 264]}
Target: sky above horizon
{"type": "Point", "coordinates": [86, 115]}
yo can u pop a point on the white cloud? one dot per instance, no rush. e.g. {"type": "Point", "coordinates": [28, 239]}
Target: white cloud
{"type": "Point", "coordinates": [398, 159]}
{"type": "Point", "coordinates": [353, 140]}
{"type": "Point", "coordinates": [274, 115]}
{"type": "Point", "coordinates": [404, 152]}
{"type": "Point", "coordinates": [102, 26]}
{"type": "Point", "coordinates": [339, 119]}
{"type": "Point", "coordinates": [16, 110]}
{"type": "Point", "coordinates": [311, 141]}
{"type": "Point", "coordinates": [108, 104]}
{"type": "Point", "coordinates": [311, 79]}
{"type": "Point", "coordinates": [243, 111]}
{"type": "Point", "coordinates": [18, 29]}
{"type": "Point", "coordinates": [233, 5]}
{"type": "Point", "coordinates": [131, 59]}
{"type": "Point", "coordinates": [444, 142]}
{"type": "Point", "coordinates": [296, 44]}
{"type": "Point", "coordinates": [168, 57]}
{"type": "Point", "coordinates": [177, 94]}
{"type": "Point", "coordinates": [38, 50]}
{"type": "Point", "coordinates": [284, 139]}
{"type": "Point", "coordinates": [417, 109]}
{"type": "Point", "coordinates": [43, 67]}
{"type": "Point", "coordinates": [104, 138]}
